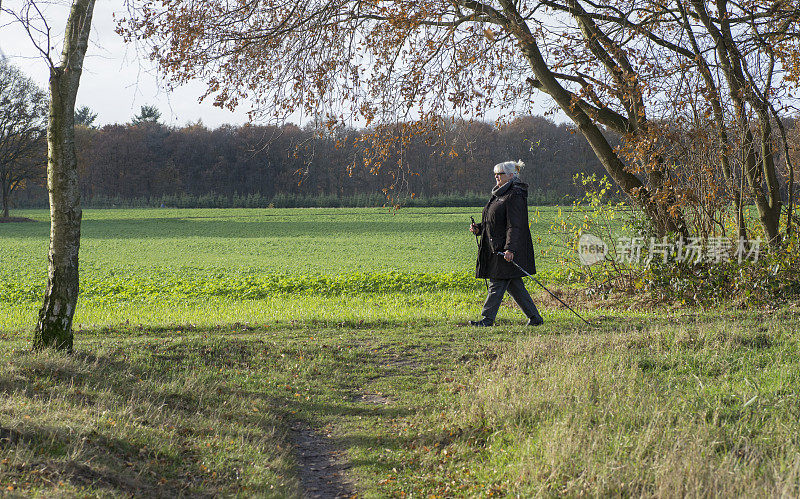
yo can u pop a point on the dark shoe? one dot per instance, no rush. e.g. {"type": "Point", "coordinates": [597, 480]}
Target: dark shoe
{"type": "Point", "coordinates": [480, 323]}
{"type": "Point", "coordinates": [535, 321]}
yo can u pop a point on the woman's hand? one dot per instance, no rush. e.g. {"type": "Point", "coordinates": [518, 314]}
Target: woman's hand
{"type": "Point", "coordinates": [474, 229]}
{"type": "Point", "coordinates": [508, 256]}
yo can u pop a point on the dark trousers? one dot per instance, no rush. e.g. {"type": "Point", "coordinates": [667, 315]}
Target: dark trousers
{"type": "Point", "coordinates": [516, 288]}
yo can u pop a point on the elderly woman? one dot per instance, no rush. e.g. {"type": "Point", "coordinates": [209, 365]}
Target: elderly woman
{"type": "Point", "coordinates": [504, 229]}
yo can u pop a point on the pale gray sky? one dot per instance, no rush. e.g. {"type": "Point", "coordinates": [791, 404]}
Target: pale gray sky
{"type": "Point", "coordinates": [116, 81]}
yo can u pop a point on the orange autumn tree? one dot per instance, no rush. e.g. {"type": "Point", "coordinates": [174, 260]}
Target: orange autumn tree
{"type": "Point", "coordinates": [397, 64]}
{"type": "Point", "coordinates": [699, 90]}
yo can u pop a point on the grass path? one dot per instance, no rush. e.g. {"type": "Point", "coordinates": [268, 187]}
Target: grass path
{"type": "Point", "coordinates": [692, 403]}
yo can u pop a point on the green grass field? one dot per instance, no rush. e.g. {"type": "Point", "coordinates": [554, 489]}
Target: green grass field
{"type": "Point", "coordinates": [160, 267]}
{"type": "Point", "coordinates": [270, 352]}
{"type": "Point", "coordinates": [308, 240]}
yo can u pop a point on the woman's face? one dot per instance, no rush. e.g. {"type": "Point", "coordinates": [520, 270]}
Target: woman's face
{"type": "Point", "coordinates": [502, 178]}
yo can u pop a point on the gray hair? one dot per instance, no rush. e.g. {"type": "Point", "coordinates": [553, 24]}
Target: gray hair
{"type": "Point", "coordinates": [509, 167]}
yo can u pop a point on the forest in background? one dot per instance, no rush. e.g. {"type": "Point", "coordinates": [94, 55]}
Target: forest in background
{"type": "Point", "coordinates": [146, 163]}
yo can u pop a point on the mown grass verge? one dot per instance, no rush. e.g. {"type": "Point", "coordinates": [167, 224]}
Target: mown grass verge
{"type": "Point", "coordinates": [389, 309]}
{"type": "Point", "coordinates": [252, 284]}
{"type": "Point", "coordinates": [693, 403]}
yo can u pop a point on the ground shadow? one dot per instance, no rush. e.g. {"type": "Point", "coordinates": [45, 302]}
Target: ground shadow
{"type": "Point", "coordinates": [111, 464]}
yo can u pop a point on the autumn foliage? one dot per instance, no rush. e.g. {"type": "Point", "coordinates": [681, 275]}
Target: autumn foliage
{"type": "Point", "coordinates": [639, 68]}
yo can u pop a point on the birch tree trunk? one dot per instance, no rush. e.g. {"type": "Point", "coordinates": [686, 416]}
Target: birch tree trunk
{"type": "Point", "coordinates": [54, 328]}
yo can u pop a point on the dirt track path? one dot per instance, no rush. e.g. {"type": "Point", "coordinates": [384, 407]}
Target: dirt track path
{"type": "Point", "coordinates": [322, 467]}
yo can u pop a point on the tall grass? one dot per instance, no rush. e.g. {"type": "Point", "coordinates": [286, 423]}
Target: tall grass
{"type": "Point", "coordinates": [661, 411]}
{"type": "Point", "coordinates": [159, 419]}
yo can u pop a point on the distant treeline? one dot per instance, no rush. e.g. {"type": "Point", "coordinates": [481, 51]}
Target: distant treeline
{"type": "Point", "coordinates": [535, 198]}
{"type": "Point", "coordinates": [149, 164]}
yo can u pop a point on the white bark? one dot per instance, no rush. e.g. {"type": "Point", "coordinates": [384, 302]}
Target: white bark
{"type": "Point", "coordinates": [54, 328]}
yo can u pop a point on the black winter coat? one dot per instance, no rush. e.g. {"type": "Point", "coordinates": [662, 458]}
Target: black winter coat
{"type": "Point", "coordinates": [504, 226]}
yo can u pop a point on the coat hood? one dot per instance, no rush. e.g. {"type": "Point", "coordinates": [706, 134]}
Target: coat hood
{"type": "Point", "coordinates": [519, 184]}
{"type": "Point", "coordinates": [514, 183]}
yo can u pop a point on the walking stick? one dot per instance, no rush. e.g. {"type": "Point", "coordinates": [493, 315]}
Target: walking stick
{"type": "Point", "coordinates": [542, 285]}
